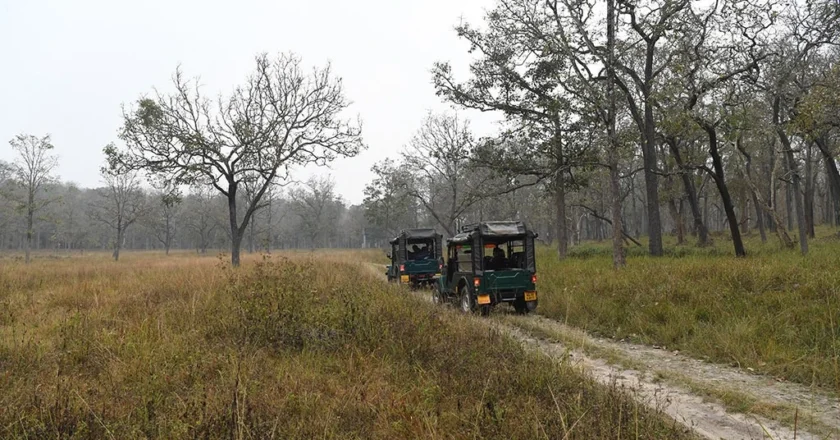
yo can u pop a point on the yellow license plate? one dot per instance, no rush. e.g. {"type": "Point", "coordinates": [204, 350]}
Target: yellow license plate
{"type": "Point", "coordinates": [483, 299]}
{"type": "Point", "coordinates": [403, 278]}
{"type": "Point", "coordinates": [530, 296]}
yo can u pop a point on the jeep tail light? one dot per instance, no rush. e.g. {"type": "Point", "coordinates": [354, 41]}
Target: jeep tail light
{"type": "Point", "coordinates": [402, 267]}
{"type": "Point", "coordinates": [476, 282]}
{"type": "Point", "coordinates": [534, 278]}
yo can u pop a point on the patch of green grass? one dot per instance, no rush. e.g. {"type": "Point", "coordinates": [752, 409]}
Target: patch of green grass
{"type": "Point", "coordinates": [304, 345]}
{"type": "Point", "coordinates": [774, 311]}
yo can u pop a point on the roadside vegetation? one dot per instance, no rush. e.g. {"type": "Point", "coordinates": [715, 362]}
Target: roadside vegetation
{"type": "Point", "coordinates": [774, 312]}
{"type": "Point", "coordinates": [298, 345]}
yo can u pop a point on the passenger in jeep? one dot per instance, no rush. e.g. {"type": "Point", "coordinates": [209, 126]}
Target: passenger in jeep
{"type": "Point", "coordinates": [498, 261]}
{"type": "Point", "coordinates": [419, 252]}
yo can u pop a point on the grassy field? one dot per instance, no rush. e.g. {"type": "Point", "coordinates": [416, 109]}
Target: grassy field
{"type": "Point", "coordinates": [775, 311]}
{"type": "Point", "coordinates": [296, 346]}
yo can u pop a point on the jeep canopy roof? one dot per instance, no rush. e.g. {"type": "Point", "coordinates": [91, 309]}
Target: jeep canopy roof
{"type": "Point", "coordinates": [416, 234]}
{"type": "Point", "coordinates": [506, 229]}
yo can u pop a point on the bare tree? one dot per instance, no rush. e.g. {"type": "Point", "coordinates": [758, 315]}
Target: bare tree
{"type": "Point", "coordinates": [445, 182]}
{"type": "Point", "coordinates": [619, 258]}
{"type": "Point", "coordinates": [314, 204]}
{"type": "Point", "coordinates": [33, 171]}
{"type": "Point", "coordinates": [280, 117]}
{"type": "Point", "coordinates": [163, 222]}
{"type": "Point", "coordinates": [120, 204]}
{"type": "Point", "coordinates": [636, 67]}
{"type": "Point", "coordinates": [388, 204]}
{"type": "Point", "coordinates": [7, 205]}
{"type": "Point", "coordinates": [809, 28]}
{"type": "Point", "coordinates": [201, 216]}
{"type": "Point", "coordinates": [274, 213]}
{"type": "Point", "coordinates": [70, 227]}
{"type": "Point", "coordinates": [515, 76]}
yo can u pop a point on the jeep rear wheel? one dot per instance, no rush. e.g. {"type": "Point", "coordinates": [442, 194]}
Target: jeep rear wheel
{"type": "Point", "coordinates": [521, 306]}
{"type": "Point", "coordinates": [467, 301]}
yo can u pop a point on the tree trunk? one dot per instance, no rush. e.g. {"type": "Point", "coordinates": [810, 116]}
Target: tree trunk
{"type": "Point", "coordinates": [809, 191]}
{"type": "Point", "coordinates": [720, 182]}
{"type": "Point", "coordinates": [235, 246]}
{"type": "Point", "coordinates": [271, 218]}
{"type": "Point", "coordinates": [759, 216]}
{"type": "Point", "coordinates": [251, 235]}
{"type": "Point", "coordinates": [634, 216]}
{"type": "Point", "coordinates": [825, 199]}
{"type": "Point", "coordinates": [235, 234]}
{"type": "Point", "coordinates": [775, 222]}
{"type": "Point", "coordinates": [703, 238]}
{"type": "Point", "coordinates": [790, 163]}
{"type": "Point", "coordinates": [168, 243]}
{"type": "Point", "coordinates": [833, 178]}
{"type": "Point", "coordinates": [30, 220]}
{"type": "Point", "coordinates": [118, 243]}
{"type": "Point", "coordinates": [797, 196]}
{"type": "Point", "coordinates": [772, 191]}
{"type": "Point", "coordinates": [619, 258]}
{"type": "Point", "coordinates": [652, 185]}
{"type": "Point", "coordinates": [560, 196]}
{"type": "Point", "coordinates": [649, 156]}
{"type": "Point", "coordinates": [745, 213]}
{"type": "Point", "coordinates": [788, 197]}
{"type": "Point", "coordinates": [678, 221]}
{"type": "Point", "coordinates": [560, 211]}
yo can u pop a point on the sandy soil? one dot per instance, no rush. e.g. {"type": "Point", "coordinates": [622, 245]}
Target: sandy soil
{"type": "Point", "coordinates": [707, 418]}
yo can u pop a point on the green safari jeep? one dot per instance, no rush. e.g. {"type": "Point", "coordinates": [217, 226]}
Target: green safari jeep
{"type": "Point", "coordinates": [490, 263]}
{"type": "Point", "coordinates": [416, 258]}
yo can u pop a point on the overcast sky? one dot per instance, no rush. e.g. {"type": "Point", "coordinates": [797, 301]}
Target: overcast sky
{"type": "Point", "coordinates": [69, 65]}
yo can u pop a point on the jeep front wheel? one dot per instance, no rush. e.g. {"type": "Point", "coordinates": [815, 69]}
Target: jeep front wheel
{"type": "Point", "coordinates": [437, 296]}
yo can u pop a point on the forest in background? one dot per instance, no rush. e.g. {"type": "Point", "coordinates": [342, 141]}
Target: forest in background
{"type": "Point", "coordinates": [701, 121]}
{"type": "Point", "coordinates": [72, 218]}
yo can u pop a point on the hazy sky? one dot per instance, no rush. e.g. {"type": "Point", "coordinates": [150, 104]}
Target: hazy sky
{"type": "Point", "coordinates": [69, 65]}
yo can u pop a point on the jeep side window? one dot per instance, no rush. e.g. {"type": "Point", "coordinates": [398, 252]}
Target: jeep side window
{"type": "Point", "coordinates": [465, 264]}
{"type": "Point", "coordinates": [452, 264]}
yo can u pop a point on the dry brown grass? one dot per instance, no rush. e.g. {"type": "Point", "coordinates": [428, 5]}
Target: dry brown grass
{"type": "Point", "coordinates": [294, 346]}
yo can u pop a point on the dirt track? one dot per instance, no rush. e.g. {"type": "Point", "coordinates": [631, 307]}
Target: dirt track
{"type": "Point", "coordinates": [657, 379]}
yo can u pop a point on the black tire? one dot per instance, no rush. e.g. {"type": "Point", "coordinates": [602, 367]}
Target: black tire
{"type": "Point", "coordinates": [521, 306]}
{"type": "Point", "coordinates": [467, 302]}
{"type": "Point", "coordinates": [437, 297]}
{"type": "Point", "coordinates": [532, 305]}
